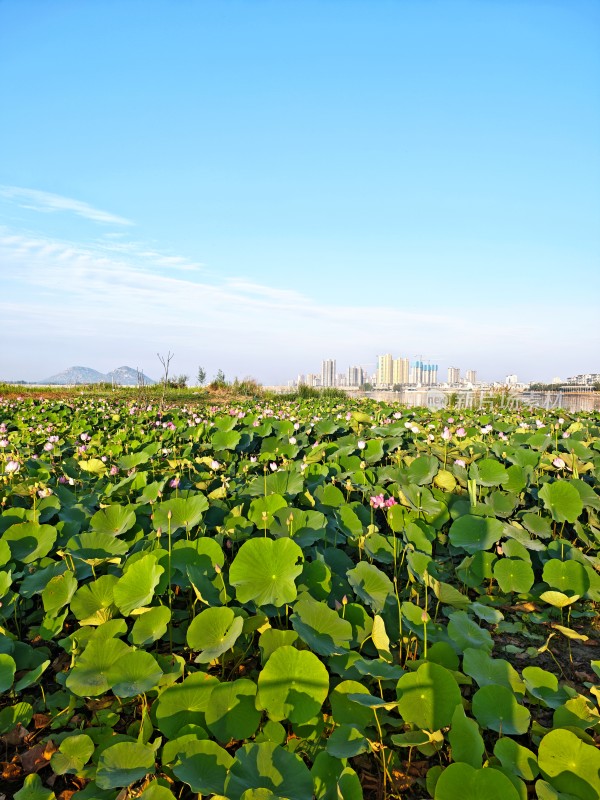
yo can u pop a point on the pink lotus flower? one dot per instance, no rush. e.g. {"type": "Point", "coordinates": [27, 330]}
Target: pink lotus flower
{"type": "Point", "coordinates": [460, 463]}
{"type": "Point", "coordinates": [214, 464]}
{"type": "Point", "coordinates": [391, 501]}
{"type": "Point", "coordinates": [446, 435]}
{"type": "Point", "coordinates": [361, 444]}
{"type": "Point", "coordinates": [12, 466]}
{"type": "Point", "coordinates": [461, 432]}
{"type": "Point", "coordinates": [377, 501]}
{"type": "Point", "coordinates": [558, 463]}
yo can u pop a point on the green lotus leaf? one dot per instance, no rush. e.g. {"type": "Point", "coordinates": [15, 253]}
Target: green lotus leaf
{"type": "Point", "coordinates": [543, 685]}
{"type": "Point", "coordinates": [89, 676]}
{"type": "Point", "coordinates": [136, 587]}
{"type": "Point", "coordinates": [93, 603]}
{"type": "Point", "coordinates": [568, 577]}
{"type": "Point", "coordinates": [156, 792]}
{"type": "Point", "coordinates": [265, 570]}
{"type": "Point", "coordinates": [134, 675]}
{"type": "Point", "coordinates": [569, 764]}
{"type": "Point", "coordinates": [464, 782]}
{"type": "Point", "coordinates": [558, 599]}
{"type": "Point", "coordinates": [465, 632]}
{"type": "Point", "coordinates": [113, 519]}
{"type": "Point", "coordinates": [150, 626]}
{"type": "Point", "coordinates": [179, 512]}
{"type": "Point", "coordinates": [94, 548]}
{"type": "Point", "coordinates": [19, 714]}
{"type": "Point", "coordinates": [232, 713]}
{"type": "Point", "coordinates": [184, 703]}
{"type": "Point", "coordinates": [496, 708]}
{"type": "Point", "coordinates": [273, 638]}
{"type": "Point", "coordinates": [428, 697]}
{"type": "Point", "coordinates": [465, 739]}
{"type": "Point", "coordinates": [72, 755]}
{"type": "Point", "coordinates": [268, 766]}
{"type": "Point", "coordinates": [346, 741]}
{"type": "Point", "coordinates": [371, 585]}
{"type": "Point", "coordinates": [473, 533]}
{"type": "Point", "coordinates": [58, 592]}
{"type": "Point", "coordinates": [7, 671]}
{"type": "Point", "coordinates": [213, 632]}
{"type": "Point", "coordinates": [488, 671]}
{"type": "Point", "coordinates": [31, 677]}
{"type": "Point", "coordinates": [488, 472]}
{"type": "Point", "coordinates": [423, 470]}
{"type": "Point", "coordinates": [544, 791]}
{"type": "Point", "coordinates": [225, 440]}
{"type": "Point", "coordinates": [29, 541]}
{"type": "Point", "coordinates": [332, 780]}
{"type": "Point", "coordinates": [203, 765]}
{"type": "Point", "coordinates": [33, 789]}
{"type": "Point", "coordinates": [516, 759]}
{"type": "Point", "coordinates": [577, 712]}
{"type": "Point", "coordinates": [323, 630]}
{"type": "Point", "coordinates": [348, 712]}
{"type": "Point", "coordinates": [562, 500]}
{"type": "Point", "coordinates": [123, 763]}
{"type": "Point", "coordinates": [292, 685]}
{"type": "Point", "coordinates": [262, 509]}
{"type": "Point", "coordinates": [514, 575]}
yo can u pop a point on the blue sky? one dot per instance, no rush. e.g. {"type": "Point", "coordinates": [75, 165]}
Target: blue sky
{"type": "Point", "coordinates": [257, 186]}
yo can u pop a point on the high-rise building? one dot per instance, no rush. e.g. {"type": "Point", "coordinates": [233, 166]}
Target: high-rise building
{"type": "Point", "coordinates": [453, 375]}
{"type": "Point", "coordinates": [400, 371]}
{"type": "Point", "coordinates": [356, 376]}
{"type": "Point", "coordinates": [471, 376]}
{"type": "Point", "coordinates": [511, 380]}
{"type": "Point", "coordinates": [416, 373]}
{"type": "Point", "coordinates": [328, 372]}
{"type": "Point", "coordinates": [429, 374]}
{"type": "Point", "coordinates": [385, 369]}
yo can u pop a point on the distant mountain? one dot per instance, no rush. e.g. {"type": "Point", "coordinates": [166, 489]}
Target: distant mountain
{"type": "Point", "coordinates": [122, 376]}
{"type": "Point", "coordinates": [74, 375]}
{"type": "Point", "coordinates": [127, 376]}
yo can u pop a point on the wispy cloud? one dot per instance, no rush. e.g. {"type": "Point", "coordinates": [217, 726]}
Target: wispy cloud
{"type": "Point", "coordinates": [48, 203]}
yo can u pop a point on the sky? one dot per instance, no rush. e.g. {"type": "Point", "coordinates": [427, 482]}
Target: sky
{"type": "Point", "coordinates": [257, 185]}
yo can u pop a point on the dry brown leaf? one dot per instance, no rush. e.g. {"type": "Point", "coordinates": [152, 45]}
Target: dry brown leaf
{"type": "Point", "coordinates": [34, 759]}
{"type": "Point", "coordinates": [16, 736]}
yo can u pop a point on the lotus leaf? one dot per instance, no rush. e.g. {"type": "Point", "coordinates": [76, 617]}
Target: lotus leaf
{"type": "Point", "coordinates": [136, 587]}
{"type": "Point", "coordinates": [428, 697]}
{"type": "Point", "coordinates": [371, 585]}
{"type": "Point", "coordinates": [569, 764]}
{"type": "Point", "coordinates": [150, 626]}
{"type": "Point", "coordinates": [496, 708]}
{"type": "Point", "coordinates": [292, 685]}
{"type": "Point", "coordinates": [323, 630]}
{"type": "Point", "coordinates": [473, 533]}
{"type": "Point", "coordinates": [465, 739]}
{"type": "Point", "coordinates": [33, 789]}
{"type": "Point", "coordinates": [463, 781]}
{"type": "Point", "coordinates": [113, 519]}
{"type": "Point", "coordinates": [72, 755]}
{"type": "Point", "coordinates": [213, 632]}
{"type": "Point", "coordinates": [517, 759]}
{"type": "Point", "coordinates": [123, 763]}
{"type": "Point", "coordinates": [203, 765]}
{"type": "Point", "coordinates": [264, 571]}
{"type": "Point", "coordinates": [232, 713]}
{"type": "Point", "coordinates": [268, 766]}
{"type": "Point", "coordinates": [133, 675]}
{"type": "Point", "coordinates": [562, 500]}
{"type": "Point", "coordinates": [184, 703]}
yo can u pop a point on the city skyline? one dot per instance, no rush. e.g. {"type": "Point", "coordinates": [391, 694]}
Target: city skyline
{"type": "Point", "coordinates": [339, 179]}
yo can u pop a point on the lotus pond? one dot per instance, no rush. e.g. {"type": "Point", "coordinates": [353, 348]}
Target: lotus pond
{"type": "Point", "coordinates": [298, 600]}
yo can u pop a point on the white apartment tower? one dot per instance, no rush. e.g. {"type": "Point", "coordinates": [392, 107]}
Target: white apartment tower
{"type": "Point", "coordinates": [328, 372]}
